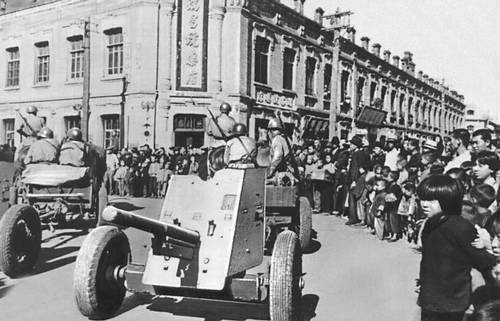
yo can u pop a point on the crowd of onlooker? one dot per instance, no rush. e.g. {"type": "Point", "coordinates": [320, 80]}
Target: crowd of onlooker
{"type": "Point", "coordinates": [144, 172]}
{"type": "Point", "coordinates": [440, 194]}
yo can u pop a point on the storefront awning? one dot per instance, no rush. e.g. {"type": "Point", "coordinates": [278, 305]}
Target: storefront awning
{"type": "Point", "coordinates": [372, 116]}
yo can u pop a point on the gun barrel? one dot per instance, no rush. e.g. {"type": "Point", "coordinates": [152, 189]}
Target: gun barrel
{"type": "Point", "coordinates": [124, 218]}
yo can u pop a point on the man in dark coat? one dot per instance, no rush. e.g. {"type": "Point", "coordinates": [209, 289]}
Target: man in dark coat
{"type": "Point", "coordinates": [359, 165]}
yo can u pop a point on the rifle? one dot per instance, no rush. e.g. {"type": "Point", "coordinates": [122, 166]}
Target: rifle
{"type": "Point", "coordinates": [290, 150]}
{"type": "Point", "coordinates": [216, 122]}
{"type": "Point", "coordinates": [22, 133]}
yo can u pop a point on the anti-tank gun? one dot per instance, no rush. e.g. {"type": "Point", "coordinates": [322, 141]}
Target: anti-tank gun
{"type": "Point", "coordinates": [208, 237]}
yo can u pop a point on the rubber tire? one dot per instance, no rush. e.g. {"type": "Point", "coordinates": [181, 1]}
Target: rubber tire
{"type": "Point", "coordinates": [8, 257]}
{"type": "Point", "coordinates": [89, 274]}
{"type": "Point", "coordinates": [284, 281]}
{"type": "Point", "coordinates": [305, 227]}
{"type": "Point", "coordinates": [12, 196]}
{"type": "Point", "coordinates": [102, 202]}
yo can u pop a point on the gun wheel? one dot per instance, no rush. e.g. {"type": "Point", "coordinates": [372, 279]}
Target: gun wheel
{"type": "Point", "coordinates": [20, 240]}
{"type": "Point", "coordinates": [98, 290]}
{"type": "Point", "coordinates": [305, 223]}
{"type": "Point", "coordinates": [285, 278]}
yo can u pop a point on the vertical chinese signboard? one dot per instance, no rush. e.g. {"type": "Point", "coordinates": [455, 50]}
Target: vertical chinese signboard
{"type": "Point", "coordinates": [192, 45]}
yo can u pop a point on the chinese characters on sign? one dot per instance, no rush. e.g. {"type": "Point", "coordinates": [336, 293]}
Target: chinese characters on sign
{"type": "Point", "coordinates": [191, 49]}
{"type": "Point", "coordinates": [274, 99]}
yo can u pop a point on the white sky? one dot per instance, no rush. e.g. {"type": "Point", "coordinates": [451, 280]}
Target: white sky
{"type": "Point", "coordinates": [458, 40]}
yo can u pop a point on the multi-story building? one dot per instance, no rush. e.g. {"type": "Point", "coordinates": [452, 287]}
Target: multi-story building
{"type": "Point", "coordinates": [158, 65]}
{"type": "Point", "coordinates": [474, 121]}
{"type": "Point", "coordinates": [415, 104]}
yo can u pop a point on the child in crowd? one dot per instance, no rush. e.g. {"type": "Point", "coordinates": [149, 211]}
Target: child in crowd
{"type": "Point", "coordinates": [120, 177]}
{"type": "Point", "coordinates": [392, 202]}
{"type": "Point", "coordinates": [447, 253]}
{"type": "Point", "coordinates": [377, 210]}
{"type": "Point", "coordinates": [407, 206]}
{"type": "Point", "coordinates": [401, 168]}
{"type": "Point", "coordinates": [385, 171]}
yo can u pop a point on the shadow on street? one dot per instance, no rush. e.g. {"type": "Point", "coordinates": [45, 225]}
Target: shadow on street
{"type": "Point", "coordinates": [4, 288]}
{"type": "Point", "coordinates": [210, 310]}
{"type": "Point", "coordinates": [126, 206]}
{"type": "Point", "coordinates": [309, 304]}
{"type": "Point", "coordinates": [53, 257]}
{"type": "Point", "coordinates": [313, 248]}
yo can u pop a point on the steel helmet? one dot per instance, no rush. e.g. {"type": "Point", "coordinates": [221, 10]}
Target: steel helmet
{"type": "Point", "coordinates": [46, 132]}
{"type": "Point", "coordinates": [32, 110]}
{"type": "Point", "coordinates": [74, 134]}
{"type": "Point", "coordinates": [274, 123]}
{"type": "Point", "coordinates": [239, 129]}
{"type": "Point", "coordinates": [225, 108]}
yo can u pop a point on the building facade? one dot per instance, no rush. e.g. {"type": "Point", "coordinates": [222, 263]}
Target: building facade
{"type": "Point", "coordinates": [473, 122]}
{"type": "Point", "coordinates": [157, 66]}
{"type": "Point", "coordinates": [415, 104]}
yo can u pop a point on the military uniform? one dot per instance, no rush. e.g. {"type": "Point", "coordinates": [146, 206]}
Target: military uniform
{"type": "Point", "coordinates": [42, 151]}
{"type": "Point", "coordinates": [73, 153]}
{"type": "Point", "coordinates": [223, 131]}
{"type": "Point", "coordinates": [242, 150]}
{"type": "Point", "coordinates": [30, 128]}
{"type": "Point", "coordinates": [279, 155]}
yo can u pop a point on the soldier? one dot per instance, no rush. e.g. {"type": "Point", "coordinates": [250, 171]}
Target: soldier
{"type": "Point", "coordinates": [73, 150]}
{"type": "Point", "coordinates": [43, 150]}
{"type": "Point", "coordinates": [240, 149]}
{"type": "Point", "coordinates": [220, 127]}
{"type": "Point", "coordinates": [31, 125]}
{"type": "Point", "coordinates": [280, 152]}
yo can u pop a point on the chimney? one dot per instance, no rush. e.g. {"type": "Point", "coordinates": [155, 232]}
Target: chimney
{"type": "Point", "coordinates": [387, 56]}
{"type": "Point", "coordinates": [365, 42]}
{"type": "Point", "coordinates": [425, 78]}
{"type": "Point", "coordinates": [318, 15]}
{"type": "Point", "coordinates": [299, 6]}
{"type": "Point", "coordinates": [395, 61]}
{"type": "Point", "coordinates": [351, 34]}
{"type": "Point", "coordinates": [408, 55]}
{"type": "Point", "coordinates": [420, 74]}
{"type": "Point", "coordinates": [376, 49]}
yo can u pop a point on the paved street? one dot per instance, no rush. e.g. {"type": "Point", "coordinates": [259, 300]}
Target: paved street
{"type": "Point", "coordinates": [351, 276]}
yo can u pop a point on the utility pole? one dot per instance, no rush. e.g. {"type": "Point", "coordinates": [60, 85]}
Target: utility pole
{"type": "Point", "coordinates": [125, 83]}
{"type": "Point", "coordinates": [86, 80]}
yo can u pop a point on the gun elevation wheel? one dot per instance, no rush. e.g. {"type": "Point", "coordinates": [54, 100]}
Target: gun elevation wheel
{"type": "Point", "coordinates": [285, 290]}
{"type": "Point", "coordinates": [99, 288]}
{"type": "Point", "coordinates": [20, 240]}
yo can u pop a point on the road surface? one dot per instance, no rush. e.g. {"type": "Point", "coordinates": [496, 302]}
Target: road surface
{"type": "Point", "coordinates": [350, 276]}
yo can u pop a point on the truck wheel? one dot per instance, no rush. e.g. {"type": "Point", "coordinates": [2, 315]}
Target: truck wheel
{"type": "Point", "coordinates": [20, 240]}
{"type": "Point", "coordinates": [305, 223]}
{"type": "Point", "coordinates": [284, 285]}
{"type": "Point", "coordinates": [98, 289]}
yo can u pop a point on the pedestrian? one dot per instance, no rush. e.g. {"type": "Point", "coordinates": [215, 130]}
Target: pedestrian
{"type": "Point", "coordinates": [360, 162]}
{"type": "Point", "coordinates": [393, 198]}
{"type": "Point", "coordinates": [377, 209]}
{"type": "Point", "coordinates": [112, 164]}
{"type": "Point", "coordinates": [407, 206]}
{"type": "Point", "coordinates": [447, 252]}
{"type": "Point", "coordinates": [153, 169]}
{"type": "Point", "coordinates": [120, 177]}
